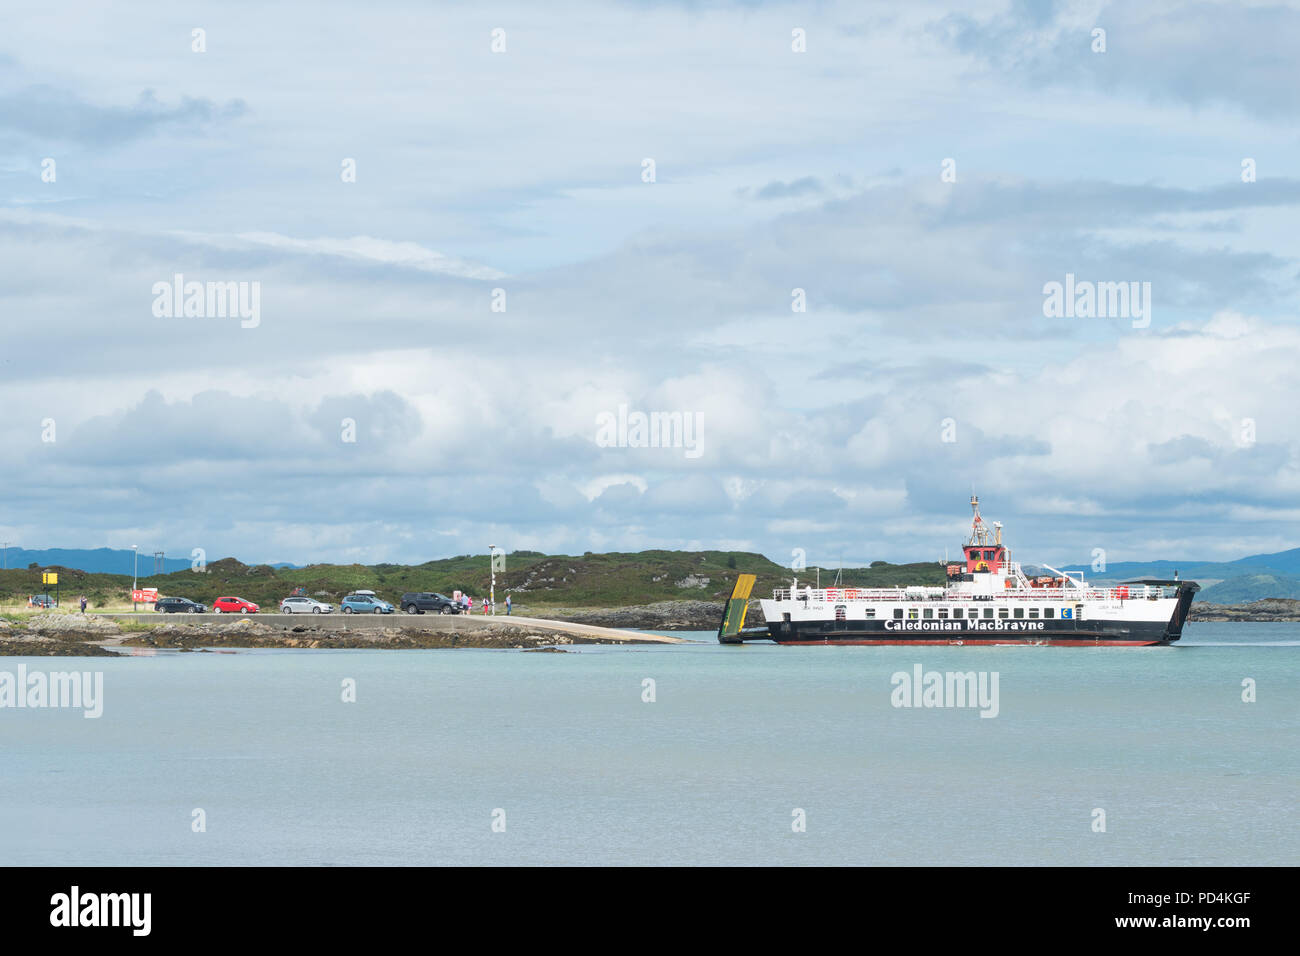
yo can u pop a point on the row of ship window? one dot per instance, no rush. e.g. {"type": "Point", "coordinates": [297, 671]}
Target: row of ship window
{"type": "Point", "coordinates": [960, 613]}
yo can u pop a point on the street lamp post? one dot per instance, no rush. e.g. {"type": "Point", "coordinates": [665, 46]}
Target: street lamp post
{"type": "Point", "coordinates": [492, 589]}
{"type": "Point", "coordinates": [6, 555]}
{"type": "Point", "coordinates": [135, 574]}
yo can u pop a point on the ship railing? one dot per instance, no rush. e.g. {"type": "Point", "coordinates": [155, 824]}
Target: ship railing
{"type": "Point", "coordinates": [822, 595]}
{"type": "Point", "coordinates": [935, 593]}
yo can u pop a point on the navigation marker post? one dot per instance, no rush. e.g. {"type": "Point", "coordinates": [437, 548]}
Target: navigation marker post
{"type": "Point", "coordinates": [492, 588]}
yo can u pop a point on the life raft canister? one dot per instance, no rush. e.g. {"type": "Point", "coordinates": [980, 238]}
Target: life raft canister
{"type": "Point", "coordinates": [1121, 593]}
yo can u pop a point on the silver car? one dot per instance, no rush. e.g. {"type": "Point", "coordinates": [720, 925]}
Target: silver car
{"type": "Point", "coordinates": [304, 605]}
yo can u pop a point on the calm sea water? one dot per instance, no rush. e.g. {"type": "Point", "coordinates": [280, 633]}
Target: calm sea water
{"type": "Point", "coordinates": [711, 772]}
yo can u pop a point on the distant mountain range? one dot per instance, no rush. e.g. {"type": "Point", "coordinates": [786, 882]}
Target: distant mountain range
{"type": "Point", "coordinates": [97, 560]}
{"type": "Point", "coordinates": [1250, 578]}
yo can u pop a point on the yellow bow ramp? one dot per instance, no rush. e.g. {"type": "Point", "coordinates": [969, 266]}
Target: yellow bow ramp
{"type": "Point", "coordinates": [733, 618]}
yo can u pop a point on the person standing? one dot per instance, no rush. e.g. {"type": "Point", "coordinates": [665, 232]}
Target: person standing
{"type": "Point", "coordinates": [469, 604]}
{"type": "Point", "coordinates": [83, 604]}
{"type": "Point", "coordinates": [507, 605]}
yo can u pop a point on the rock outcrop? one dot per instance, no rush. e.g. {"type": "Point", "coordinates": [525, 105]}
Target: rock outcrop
{"type": "Point", "coordinates": [1269, 609]}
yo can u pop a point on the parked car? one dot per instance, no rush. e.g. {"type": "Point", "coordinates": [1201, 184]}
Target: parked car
{"type": "Point", "coordinates": [40, 600]}
{"type": "Point", "coordinates": [179, 605]}
{"type": "Point", "coordinates": [304, 605]}
{"type": "Point", "coordinates": [365, 602]}
{"type": "Point", "coordinates": [417, 602]}
{"type": "Point", "coordinates": [233, 605]}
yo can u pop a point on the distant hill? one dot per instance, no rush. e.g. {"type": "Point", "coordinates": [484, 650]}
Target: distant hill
{"type": "Point", "coordinates": [1288, 562]}
{"type": "Point", "coordinates": [100, 560]}
{"type": "Point", "coordinates": [1250, 578]}
{"type": "Point", "coordinates": [1251, 587]}
{"type": "Point", "coordinates": [588, 580]}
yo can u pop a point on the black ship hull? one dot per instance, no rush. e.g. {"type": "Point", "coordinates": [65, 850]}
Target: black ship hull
{"type": "Point", "coordinates": [1061, 633]}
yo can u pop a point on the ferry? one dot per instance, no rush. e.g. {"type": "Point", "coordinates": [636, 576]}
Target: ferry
{"type": "Point", "coordinates": [988, 600]}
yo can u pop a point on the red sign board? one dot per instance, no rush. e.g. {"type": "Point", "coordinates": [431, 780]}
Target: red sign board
{"type": "Point", "coordinates": [144, 596]}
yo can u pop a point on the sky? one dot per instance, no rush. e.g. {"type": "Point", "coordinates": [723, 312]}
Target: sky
{"type": "Point", "coordinates": [819, 236]}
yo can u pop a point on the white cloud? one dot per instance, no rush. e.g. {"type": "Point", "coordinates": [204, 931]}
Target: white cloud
{"type": "Point", "coordinates": [408, 254]}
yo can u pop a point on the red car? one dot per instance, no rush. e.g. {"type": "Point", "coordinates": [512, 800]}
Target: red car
{"type": "Point", "coordinates": [233, 605]}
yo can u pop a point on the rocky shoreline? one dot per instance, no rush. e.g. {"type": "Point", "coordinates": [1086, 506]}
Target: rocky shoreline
{"type": "Point", "coordinates": [35, 647]}
{"type": "Point", "coordinates": [245, 634]}
{"type": "Point", "coordinates": [57, 635]}
{"type": "Point", "coordinates": [1267, 610]}
{"type": "Point", "coordinates": [69, 635]}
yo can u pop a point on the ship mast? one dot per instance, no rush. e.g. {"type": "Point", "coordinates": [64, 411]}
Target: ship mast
{"type": "Point", "coordinates": [979, 531]}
